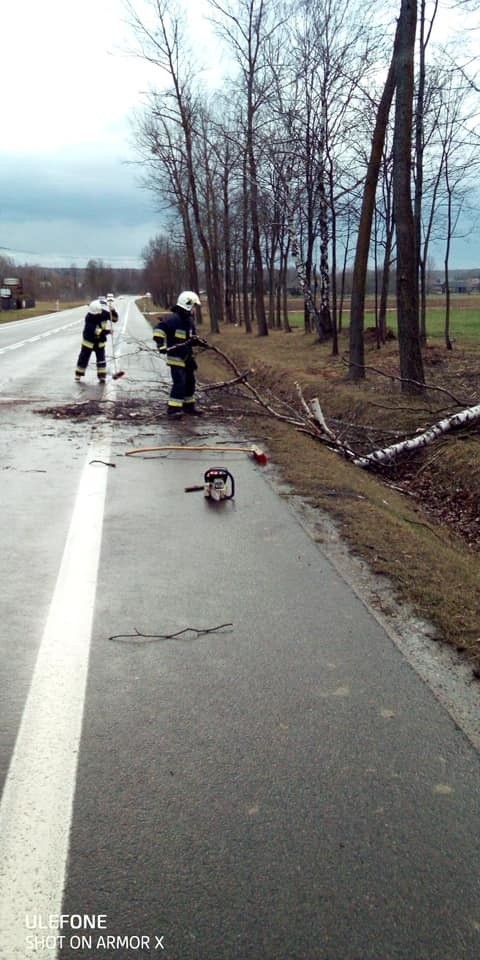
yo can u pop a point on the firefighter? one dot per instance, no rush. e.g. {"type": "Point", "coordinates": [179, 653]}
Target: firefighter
{"type": "Point", "coordinates": [94, 337]}
{"type": "Point", "coordinates": [175, 336]}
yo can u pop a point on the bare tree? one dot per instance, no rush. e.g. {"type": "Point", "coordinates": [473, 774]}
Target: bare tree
{"type": "Point", "coordinates": [276, 175]}
{"type": "Point", "coordinates": [249, 28]}
{"type": "Point", "coordinates": [164, 44]}
{"type": "Point", "coordinates": [164, 269]}
{"type": "Point", "coordinates": [165, 174]}
{"type": "Point", "coordinates": [98, 278]}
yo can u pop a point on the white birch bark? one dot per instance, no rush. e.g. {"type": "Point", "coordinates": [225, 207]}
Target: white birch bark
{"type": "Point", "coordinates": [317, 414]}
{"type": "Point", "coordinates": [470, 415]}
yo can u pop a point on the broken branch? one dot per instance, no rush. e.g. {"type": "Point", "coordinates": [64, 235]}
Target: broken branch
{"type": "Point", "coordinates": [168, 636]}
{"type": "Point", "coordinates": [393, 376]}
{"type": "Point", "coordinates": [225, 383]}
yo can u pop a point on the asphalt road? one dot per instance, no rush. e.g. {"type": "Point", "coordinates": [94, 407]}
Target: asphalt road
{"type": "Point", "coordinates": [209, 747]}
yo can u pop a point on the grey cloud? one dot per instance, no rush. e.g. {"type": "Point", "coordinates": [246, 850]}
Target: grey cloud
{"type": "Point", "coordinates": [88, 190]}
{"type": "Point", "coordinates": [73, 206]}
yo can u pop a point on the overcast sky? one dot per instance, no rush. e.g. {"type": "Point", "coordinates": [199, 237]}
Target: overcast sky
{"type": "Point", "coordinates": [69, 184]}
{"type": "Point", "coordinates": [69, 188]}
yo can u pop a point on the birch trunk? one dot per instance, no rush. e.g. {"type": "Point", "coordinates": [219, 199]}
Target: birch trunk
{"type": "Point", "coordinates": [388, 454]}
{"type": "Point", "coordinates": [301, 271]}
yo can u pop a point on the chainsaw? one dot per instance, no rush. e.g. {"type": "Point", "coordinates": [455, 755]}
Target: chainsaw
{"type": "Point", "coordinates": [218, 484]}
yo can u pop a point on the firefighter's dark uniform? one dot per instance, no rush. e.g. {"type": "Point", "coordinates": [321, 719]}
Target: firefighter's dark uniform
{"type": "Point", "coordinates": [177, 331]}
{"type": "Point", "coordinates": [94, 337]}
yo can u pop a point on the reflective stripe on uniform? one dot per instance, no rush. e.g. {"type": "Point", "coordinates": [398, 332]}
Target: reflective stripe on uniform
{"type": "Point", "coordinates": [87, 343]}
{"type": "Point", "coordinates": [174, 403]}
{"type": "Point", "coordinates": [175, 362]}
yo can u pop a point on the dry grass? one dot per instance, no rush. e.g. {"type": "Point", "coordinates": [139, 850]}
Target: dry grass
{"type": "Point", "coordinates": [432, 561]}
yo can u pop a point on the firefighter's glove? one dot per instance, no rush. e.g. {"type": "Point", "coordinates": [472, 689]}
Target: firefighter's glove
{"type": "Point", "coordinates": [162, 350]}
{"type": "Point", "coordinates": [98, 331]}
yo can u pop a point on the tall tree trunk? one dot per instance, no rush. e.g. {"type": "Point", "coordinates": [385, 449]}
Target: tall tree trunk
{"type": "Point", "coordinates": [385, 283]}
{"type": "Point", "coordinates": [324, 323]}
{"type": "Point", "coordinates": [262, 326]}
{"type": "Point", "coordinates": [344, 272]}
{"type": "Point", "coordinates": [334, 278]}
{"type": "Point", "coordinates": [357, 308]}
{"type": "Point", "coordinates": [419, 137]}
{"type": "Point", "coordinates": [308, 271]}
{"type": "Point", "coordinates": [448, 342]}
{"type": "Point", "coordinates": [411, 363]}
{"type": "Point", "coordinates": [212, 219]}
{"type": "Point", "coordinates": [229, 295]}
{"type": "Point", "coordinates": [419, 151]}
{"type": "Point", "coordinates": [245, 251]}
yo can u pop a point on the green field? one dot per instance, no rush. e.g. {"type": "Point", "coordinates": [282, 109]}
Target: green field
{"type": "Point", "coordinates": [464, 316]}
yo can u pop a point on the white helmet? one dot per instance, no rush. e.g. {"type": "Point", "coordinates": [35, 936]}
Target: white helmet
{"type": "Point", "coordinates": [187, 300]}
{"type": "Point", "coordinates": [95, 307]}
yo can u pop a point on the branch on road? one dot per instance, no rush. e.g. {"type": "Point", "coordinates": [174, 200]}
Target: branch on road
{"type": "Point", "coordinates": [138, 636]}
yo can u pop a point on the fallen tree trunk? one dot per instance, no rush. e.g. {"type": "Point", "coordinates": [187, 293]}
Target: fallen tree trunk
{"type": "Point", "coordinates": [314, 422]}
{"type": "Point", "coordinates": [388, 454]}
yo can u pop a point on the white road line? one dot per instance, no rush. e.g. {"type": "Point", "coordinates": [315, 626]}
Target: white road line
{"type": "Point", "coordinates": [38, 336]}
{"type": "Point", "coordinates": [36, 807]}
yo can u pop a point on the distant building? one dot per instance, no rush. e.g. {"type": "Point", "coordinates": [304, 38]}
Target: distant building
{"type": "Point", "coordinates": [458, 285]}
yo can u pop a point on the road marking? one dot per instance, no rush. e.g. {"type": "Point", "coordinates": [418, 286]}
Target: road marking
{"type": "Point", "coordinates": [36, 807]}
{"type": "Point", "coordinates": [38, 336]}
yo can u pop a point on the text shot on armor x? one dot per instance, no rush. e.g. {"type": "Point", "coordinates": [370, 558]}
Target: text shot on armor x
{"type": "Point", "coordinates": [94, 337]}
{"type": "Point", "coordinates": [175, 336]}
